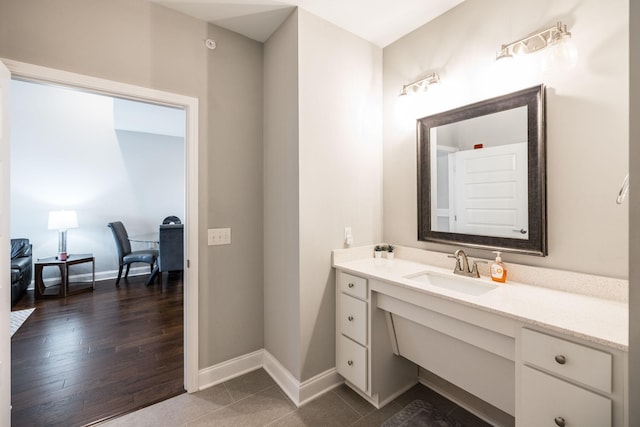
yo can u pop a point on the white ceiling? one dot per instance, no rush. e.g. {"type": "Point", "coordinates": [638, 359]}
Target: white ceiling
{"type": "Point", "coordinates": [379, 21]}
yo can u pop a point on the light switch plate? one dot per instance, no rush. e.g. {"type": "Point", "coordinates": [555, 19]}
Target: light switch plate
{"type": "Point", "coordinates": [219, 236]}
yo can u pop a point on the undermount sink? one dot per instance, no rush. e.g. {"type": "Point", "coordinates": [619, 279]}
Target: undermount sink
{"type": "Point", "coordinates": [464, 285]}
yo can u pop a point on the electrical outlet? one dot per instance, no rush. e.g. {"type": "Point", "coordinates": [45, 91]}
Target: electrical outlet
{"type": "Point", "coordinates": [219, 236]}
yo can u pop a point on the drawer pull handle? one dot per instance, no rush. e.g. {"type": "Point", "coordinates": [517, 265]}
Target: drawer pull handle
{"type": "Point", "coordinates": [560, 422]}
{"type": "Point", "coordinates": [350, 318]}
{"type": "Point", "coordinates": [351, 285]}
{"type": "Point", "coordinates": [561, 361]}
{"type": "Point", "coordinates": [350, 363]}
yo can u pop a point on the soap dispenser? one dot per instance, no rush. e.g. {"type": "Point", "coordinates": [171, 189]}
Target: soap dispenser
{"type": "Point", "coordinates": [498, 270]}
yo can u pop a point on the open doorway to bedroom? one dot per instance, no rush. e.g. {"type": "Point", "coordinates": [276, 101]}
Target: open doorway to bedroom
{"type": "Point", "coordinates": [108, 158]}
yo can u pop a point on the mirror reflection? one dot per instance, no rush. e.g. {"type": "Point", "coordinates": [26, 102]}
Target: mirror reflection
{"type": "Point", "coordinates": [481, 174]}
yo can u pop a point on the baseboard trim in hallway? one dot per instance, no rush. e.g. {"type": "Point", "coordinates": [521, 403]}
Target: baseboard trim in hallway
{"type": "Point", "coordinates": [298, 392]}
{"type": "Point", "coordinates": [229, 369]}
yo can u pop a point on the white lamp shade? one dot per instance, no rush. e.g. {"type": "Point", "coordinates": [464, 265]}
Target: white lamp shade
{"type": "Point", "coordinates": [63, 220]}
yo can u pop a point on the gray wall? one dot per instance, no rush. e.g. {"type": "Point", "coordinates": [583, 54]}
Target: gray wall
{"type": "Point", "coordinates": [281, 197]}
{"type": "Point", "coordinates": [232, 306]}
{"type": "Point", "coordinates": [137, 42]}
{"type": "Point", "coordinates": [340, 169]}
{"type": "Point", "coordinates": [322, 172]}
{"type": "Point", "coordinates": [634, 217]}
{"type": "Point", "coordinates": [587, 119]}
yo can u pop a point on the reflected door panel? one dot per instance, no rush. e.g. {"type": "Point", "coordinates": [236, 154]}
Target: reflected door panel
{"type": "Point", "coordinates": [489, 191]}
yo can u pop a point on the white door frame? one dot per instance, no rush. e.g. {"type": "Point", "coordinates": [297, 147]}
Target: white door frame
{"type": "Point", "coordinates": [138, 93]}
{"type": "Point", "coordinates": [5, 281]}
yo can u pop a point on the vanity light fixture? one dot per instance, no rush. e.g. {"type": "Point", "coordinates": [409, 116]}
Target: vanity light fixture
{"type": "Point", "coordinates": [420, 85]}
{"type": "Point", "coordinates": [554, 36]}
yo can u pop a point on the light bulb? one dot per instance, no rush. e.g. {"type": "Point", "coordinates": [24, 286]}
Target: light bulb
{"type": "Point", "coordinates": [560, 55]}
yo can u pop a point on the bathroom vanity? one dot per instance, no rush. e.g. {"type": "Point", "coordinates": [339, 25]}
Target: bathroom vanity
{"type": "Point", "coordinates": [541, 355]}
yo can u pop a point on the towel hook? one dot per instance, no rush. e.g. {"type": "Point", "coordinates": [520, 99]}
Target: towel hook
{"type": "Point", "coordinates": [623, 191]}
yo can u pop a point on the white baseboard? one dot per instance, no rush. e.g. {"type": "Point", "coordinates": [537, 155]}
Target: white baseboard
{"type": "Point", "coordinates": [287, 382]}
{"type": "Point", "coordinates": [318, 385]}
{"type": "Point", "coordinates": [100, 275]}
{"type": "Point", "coordinates": [229, 369]}
{"type": "Point", "coordinates": [112, 274]}
{"type": "Point", "coordinates": [466, 400]}
{"type": "Point", "coordinates": [299, 393]}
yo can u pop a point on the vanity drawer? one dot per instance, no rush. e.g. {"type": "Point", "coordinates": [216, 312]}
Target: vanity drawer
{"type": "Point", "coordinates": [351, 362]}
{"type": "Point", "coordinates": [580, 363]}
{"type": "Point", "coordinates": [353, 318]}
{"type": "Point", "coordinates": [352, 285]}
{"type": "Point", "coordinates": [549, 401]}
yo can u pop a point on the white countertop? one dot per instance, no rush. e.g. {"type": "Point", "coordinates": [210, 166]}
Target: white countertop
{"type": "Point", "coordinates": [590, 318]}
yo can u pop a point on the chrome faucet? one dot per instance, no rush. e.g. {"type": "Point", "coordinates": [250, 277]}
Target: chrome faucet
{"type": "Point", "coordinates": [462, 265]}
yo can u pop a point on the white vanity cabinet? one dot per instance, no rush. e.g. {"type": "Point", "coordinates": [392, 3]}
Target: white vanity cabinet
{"type": "Point", "coordinates": [562, 382]}
{"type": "Point", "coordinates": [517, 354]}
{"type": "Point", "coordinates": [363, 349]}
{"type": "Point", "coordinates": [352, 318]}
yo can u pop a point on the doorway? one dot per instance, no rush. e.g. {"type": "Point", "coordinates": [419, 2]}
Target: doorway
{"type": "Point", "coordinates": [45, 75]}
{"type": "Point", "coordinates": [105, 158]}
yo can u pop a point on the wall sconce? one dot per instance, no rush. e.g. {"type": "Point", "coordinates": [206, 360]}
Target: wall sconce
{"type": "Point", "coordinates": [62, 221]}
{"type": "Point", "coordinates": [420, 85]}
{"type": "Point", "coordinates": [555, 37]}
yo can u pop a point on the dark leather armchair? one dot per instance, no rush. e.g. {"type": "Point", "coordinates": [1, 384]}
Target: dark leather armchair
{"type": "Point", "coordinates": [125, 255]}
{"type": "Point", "coordinates": [171, 254]}
{"type": "Point", "coordinates": [21, 268]}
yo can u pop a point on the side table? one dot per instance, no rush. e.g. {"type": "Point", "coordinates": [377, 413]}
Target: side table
{"type": "Point", "coordinates": [65, 288]}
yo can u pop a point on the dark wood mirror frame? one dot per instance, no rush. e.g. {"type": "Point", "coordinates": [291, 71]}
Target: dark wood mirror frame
{"type": "Point", "coordinates": [536, 243]}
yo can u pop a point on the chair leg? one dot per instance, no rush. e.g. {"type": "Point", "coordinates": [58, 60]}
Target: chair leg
{"type": "Point", "coordinates": [127, 272]}
{"type": "Point", "coordinates": [153, 275]}
{"type": "Point", "coordinates": [119, 274]}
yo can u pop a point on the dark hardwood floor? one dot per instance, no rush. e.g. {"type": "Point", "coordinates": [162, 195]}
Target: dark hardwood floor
{"type": "Point", "coordinates": [95, 355]}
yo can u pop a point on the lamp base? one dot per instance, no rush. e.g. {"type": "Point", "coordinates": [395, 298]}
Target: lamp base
{"type": "Point", "coordinates": [62, 256]}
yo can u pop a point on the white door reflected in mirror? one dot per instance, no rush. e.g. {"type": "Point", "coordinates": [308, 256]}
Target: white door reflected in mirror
{"type": "Point", "coordinates": [479, 175]}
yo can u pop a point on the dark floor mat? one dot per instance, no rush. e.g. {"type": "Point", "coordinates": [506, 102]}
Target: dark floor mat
{"type": "Point", "coordinates": [420, 414]}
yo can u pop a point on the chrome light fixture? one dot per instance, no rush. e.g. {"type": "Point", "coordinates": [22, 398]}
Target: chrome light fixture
{"type": "Point", "coordinates": [555, 35]}
{"type": "Point", "coordinates": [420, 85]}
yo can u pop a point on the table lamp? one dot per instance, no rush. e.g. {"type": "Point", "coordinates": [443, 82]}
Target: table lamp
{"type": "Point", "coordinates": [62, 221]}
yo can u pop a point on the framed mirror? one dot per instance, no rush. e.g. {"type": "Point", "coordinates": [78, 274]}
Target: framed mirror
{"type": "Point", "coordinates": [481, 174]}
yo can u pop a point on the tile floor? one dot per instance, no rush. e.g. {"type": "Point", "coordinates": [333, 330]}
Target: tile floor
{"type": "Point", "coordinates": [254, 399]}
